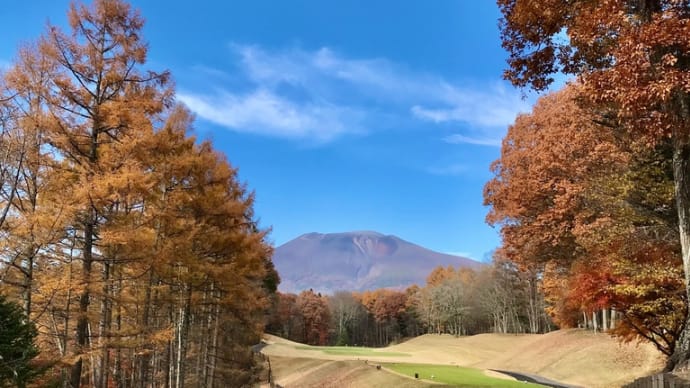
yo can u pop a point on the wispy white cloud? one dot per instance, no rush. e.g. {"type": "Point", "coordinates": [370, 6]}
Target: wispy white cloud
{"type": "Point", "coordinates": [264, 112]}
{"type": "Point", "coordinates": [494, 106]}
{"type": "Point", "coordinates": [488, 112]}
{"type": "Point", "coordinates": [320, 94]}
{"type": "Point", "coordinates": [462, 139]}
{"type": "Point", "coordinates": [211, 72]}
{"type": "Point", "coordinates": [323, 70]}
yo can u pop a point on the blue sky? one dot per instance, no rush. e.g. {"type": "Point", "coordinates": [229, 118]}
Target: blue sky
{"type": "Point", "coordinates": [341, 115]}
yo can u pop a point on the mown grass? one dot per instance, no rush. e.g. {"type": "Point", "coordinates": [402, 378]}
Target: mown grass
{"type": "Point", "coordinates": [352, 351]}
{"type": "Point", "coordinates": [456, 376]}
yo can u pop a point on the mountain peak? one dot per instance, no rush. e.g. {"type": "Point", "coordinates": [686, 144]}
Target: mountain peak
{"type": "Point", "coordinates": [313, 235]}
{"type": "Point", "coordinates": [356, 261]}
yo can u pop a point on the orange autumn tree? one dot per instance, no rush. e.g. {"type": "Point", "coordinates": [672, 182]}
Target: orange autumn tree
{"type": "Point", "coordinates": [633, 57]}
{"type": "Point", "coordinates": [387, 310]}
{"type": "Point", "coordinates": [99, 105]}
{"type": "Point", "coordinates": [588, 213]}
{"type": "Point", "coordinates": [207, 260]}
{"type": "Point", "coordinates": [440, 274]}
{"type": "Point", "coordinates": [27, 188]}
{"type": "Point", "coordinates": [536, 194]}
{"type": "Point", "coordinates": [540, 177]}
{"type": "Point", "coordinates": [559, 305]}
{"type": "Point", "coordinates": [316, 317]}
{"type": "Point", "coordinates": [632, 232]}
{"type": "Point", "coordinates": [136, 244]}
{"type": "Point", "coordinates": [285, 319]}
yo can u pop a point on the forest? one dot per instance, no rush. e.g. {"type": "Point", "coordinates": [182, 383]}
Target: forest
{"type": "Point", "coordinates": [591, 189]}
{"type": "Point", "coordinates": [130, 255]}
{"type": "Point", "coordinates": [498, 298]}
{"type": "Point", "coordinates": [130, 245]}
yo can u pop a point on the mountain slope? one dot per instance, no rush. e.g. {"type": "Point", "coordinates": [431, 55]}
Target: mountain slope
{"type": "Point", "coordinates": [356, 261]}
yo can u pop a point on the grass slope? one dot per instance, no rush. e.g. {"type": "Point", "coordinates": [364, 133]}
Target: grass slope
{"type": "Point", "coordinates": [583, 358]}
{"type": "Point", "coordinates": [352, 351]}
{"type": "Point", "coordinates": [315, 373]}
{"type": "Point", "coordinates": [573, 356]}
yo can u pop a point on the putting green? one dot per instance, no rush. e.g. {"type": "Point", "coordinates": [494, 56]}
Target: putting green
{"type": "Point", "coordinates": [455, 375]}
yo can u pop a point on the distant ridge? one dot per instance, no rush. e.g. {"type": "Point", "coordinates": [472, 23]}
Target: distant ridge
{"type": "Point", "coordinates": [356, 261]}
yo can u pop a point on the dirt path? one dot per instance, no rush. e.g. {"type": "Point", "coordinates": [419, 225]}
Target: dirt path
{"type": "Point", "coordinates": [535, 379]}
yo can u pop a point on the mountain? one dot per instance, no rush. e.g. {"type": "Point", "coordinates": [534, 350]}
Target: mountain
{"type": "Point", "coordinates": [356, 261]}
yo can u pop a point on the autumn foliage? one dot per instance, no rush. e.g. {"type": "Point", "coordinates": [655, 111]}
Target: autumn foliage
{"type": "Point", "coordinates": [632, 60]}
{"type": "Point", "coordinates": [594, 214]}
{"type": "Point", "coordinates": [497, 298]}
{"type": "Point", "coordinates": [130, 244]}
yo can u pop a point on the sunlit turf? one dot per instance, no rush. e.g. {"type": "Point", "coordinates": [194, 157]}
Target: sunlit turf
{"type": "Point", "coordinates": [456, 376]}
{"type": "Point", "coordinates": [352, 351]}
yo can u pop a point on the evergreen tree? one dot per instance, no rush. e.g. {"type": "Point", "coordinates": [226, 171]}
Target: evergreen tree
{"type": "Point", "coordinates": [17, 347]}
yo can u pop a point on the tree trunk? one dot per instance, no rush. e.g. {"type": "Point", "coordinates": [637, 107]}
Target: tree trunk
{"type": "Point", "coordinates": [210, 370]}
{"type": "Point", "coordinates": [170, 354]}
{"type": "Point", "coordinates": [143, 362]}
{"type": "Point", "coordinates": [104, 329]}
{"type": "Point", "coordinates": [182, 328]}
{"type": "Point", "coordinates": [87, 260]}
{"type": "Point", "coordinates": [28, 282]}
{"type": "Point", "coordinates": [65, 332]}
{"type": "Point", "coordinates": [533, 307]}
{"type": "Point", "coordinates": [117, 368]}
{"type": "Point", "coordinates": [681, 176]}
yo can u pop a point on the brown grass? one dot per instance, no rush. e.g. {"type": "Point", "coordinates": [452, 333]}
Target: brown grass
{"type": "Point", "coordinates": [581, 357]}
{"type": "Point", "coordinates": [318, 373]}
{"type": "Point", "coordinates": [571, 356]}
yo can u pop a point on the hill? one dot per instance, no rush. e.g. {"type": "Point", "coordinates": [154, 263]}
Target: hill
{"type": "Point", "coordinates": [356, 261]}
{"type": "Point", "coordinates": [574, 356]}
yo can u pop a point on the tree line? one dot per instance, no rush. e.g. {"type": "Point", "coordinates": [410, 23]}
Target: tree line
{"type": "Point", "coordinates": [130, 245]}
{"type": "Point", "coordinates": [592, 189]}
{"type": "Point", "coordinates": [499, 298]}
{"type": "Point", "coordinates": [595, 217]}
